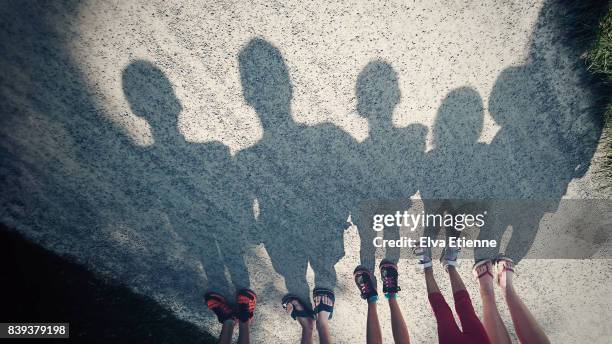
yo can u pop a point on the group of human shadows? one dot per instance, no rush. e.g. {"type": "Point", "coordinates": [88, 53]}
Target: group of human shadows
{"type": "Point", "coordinates": [294, 189]}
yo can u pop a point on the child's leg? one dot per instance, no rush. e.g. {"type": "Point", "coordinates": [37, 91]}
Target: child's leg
{"type": "Point", "coordinates": [389, 275]}
{"type": "Point", "coordinates": [470, 323]}
{"type": "Point", "coordinates": [366, 282]}
{"type": "Point", "coordinates": [448, 331]}
{"type": "Point", "coordinates": [227, 332]}
{"type": "Point", "coordinates": [527, 328]}
{"type": "Point", "coordinates": [400, 330]}
{"type": "Point", "coordinates": [373, 332]}
{"type": "Point", "coordinates": [244, 335]}
{"type": "Point", "coordinates": [246, 299]}
{"type": "Point", "coordinates": [225, 314]}
{"type": "Point", "coordinates": [324, 300]}
{"type": "Point", "coordinates": [302, 316]}
{"type": "Point", "coordinates": [492, 320]}
{"type": "Point", "coordinates": [323, 329]}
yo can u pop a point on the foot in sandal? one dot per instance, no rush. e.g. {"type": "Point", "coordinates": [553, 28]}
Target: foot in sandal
{"type": "Point", "coordinates": [483, 271]}
{"type": "Point", "coordinates": [246, 299]}
{"type": "Point", "coordinates": [323, 300]}
{"type": "Point", "coordinates": [219, 305]}
{"type": "Point", "coordinates": [389, 275]}
{"type": "Point", "coordinates": [296, 309]}
{"type": "Point", "coordinates": [366, 282]}
{"type": "Point", "coordinates": [505, 271]}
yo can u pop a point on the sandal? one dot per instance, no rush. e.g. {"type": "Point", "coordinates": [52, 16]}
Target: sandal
{"type": "Point", "coordinates": [219, 305]}
{"type": "Point", "coordinates": [323, 307]}
{"type": "Point", "coordinates": [489, 266]}
{"type": "Point", "coordinates": [295, 313]}
{"type": "Point", "coordinates": [503, 263]}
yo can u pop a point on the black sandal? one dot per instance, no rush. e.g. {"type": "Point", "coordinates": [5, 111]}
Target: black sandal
{"type": "Point", "coordinates": [295, 313]}
{"type": "Point", "coordinates": [323, 307]}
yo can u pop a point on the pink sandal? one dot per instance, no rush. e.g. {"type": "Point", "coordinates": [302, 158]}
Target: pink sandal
{"type": "Point", "coordinates": [488, 271]}
{"type": "Point", "coordinates": [503, 264]}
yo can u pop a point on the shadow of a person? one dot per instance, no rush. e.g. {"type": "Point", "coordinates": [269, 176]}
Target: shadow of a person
{"type": "Point", "coordinates": [392, 157]}
{"type": "Point", "coordinates": [529, 170]}
{"type": "Point", "coordinates": [196, 185]}
{"type": "Point", "coordinates": [455, 164]}
{"type": "Point", "coordinates": [299, 174]}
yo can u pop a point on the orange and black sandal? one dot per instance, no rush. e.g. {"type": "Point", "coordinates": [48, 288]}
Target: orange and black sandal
{"type": "Point", "coordinates": [246, 300]}
{"type": "Point", "coordinates": [219, 305]}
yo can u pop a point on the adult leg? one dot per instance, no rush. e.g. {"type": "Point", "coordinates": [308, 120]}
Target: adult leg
{"type": "Point", "coordinates": [492, 320]}
{"type": "Point", "coordinates": [527, 328]}
{"type": "Point", "coordinates": [389, 275]}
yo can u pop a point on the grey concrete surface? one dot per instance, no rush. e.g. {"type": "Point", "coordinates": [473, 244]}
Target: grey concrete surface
{"type": "Point", "coordinates": [180, 146]}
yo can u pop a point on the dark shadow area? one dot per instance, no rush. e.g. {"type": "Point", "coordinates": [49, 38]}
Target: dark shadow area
{"type": "Point", "coordinates": [99, 311]}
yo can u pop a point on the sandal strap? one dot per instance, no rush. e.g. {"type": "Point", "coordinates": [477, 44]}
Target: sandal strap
{"type": "Point", "coordinates": [295, 313]}
{"type": "Point", "coordinates": [487, 271]}
{"type": "Point", "coordinates": [300, 314]}
{"type": "Point", "coordinates": [323, 307]}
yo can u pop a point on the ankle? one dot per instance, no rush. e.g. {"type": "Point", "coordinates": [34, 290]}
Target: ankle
{"type": "Point", "coordinates": [486, 282]}
{"type": "Point", "coordinates": [391, 297]}
{"type": "Point", "coordinates": [322, 321]}
{"type": "Point", "coordinates": [307, 326]}
{"type": "Point", "coordinates": [486, 289]}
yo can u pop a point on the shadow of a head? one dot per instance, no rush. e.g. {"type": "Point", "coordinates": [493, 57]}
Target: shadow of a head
{"type": "Point", "coordinates": [266, 85]}
{"type": "Point", "coordinates": [514, 97]}
{"type": "Point", "coordinates": [459, 121]}
{"type": "Point", "coordinates": [377, 91]}
{"type": "Point", "coordinates": [151, 96]}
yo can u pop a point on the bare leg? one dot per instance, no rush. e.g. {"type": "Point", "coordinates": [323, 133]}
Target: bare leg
{"type": "Point", "coordinates": [400, 330]}
{"type": "Point", "coordinates": [430, 281]}
{"type": "Point", "coordinates": [244, 335]}
{"type": "Point", "coordinates": [527, 328]}
{"type": "Point", "coordinates": [226, 332]}
{"type": "Point", "coordinates": [306, 323]}
{"type": "Point", "coordinates": [323, 322]}
{"type": "Point", "coordinates": [492, 321]}
{"type": "Point", "coordinates": [455, 279]}
{"type": "Point", "coordinates": [373, 332]}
